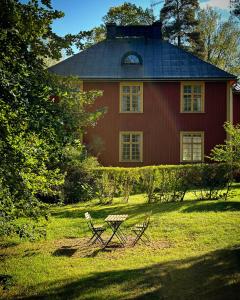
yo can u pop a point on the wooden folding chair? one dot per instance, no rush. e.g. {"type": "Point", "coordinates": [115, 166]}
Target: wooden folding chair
{"type": "Point", "coordinates": [140, 230]}
{"type": "Point", "coordinates": [97, 231]}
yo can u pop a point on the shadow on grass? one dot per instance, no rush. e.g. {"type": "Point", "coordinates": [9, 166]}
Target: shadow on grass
{"type": "Point", "coordinates": [215, 206]}
{"type": "Point", "coordinates": [65, 251]}
{"type": "Point", "coordinates": [215, 275]}
{"type": "Point", "coordinates": [101, 212]}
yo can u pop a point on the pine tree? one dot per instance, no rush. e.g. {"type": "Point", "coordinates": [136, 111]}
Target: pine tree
{"type": "Point", "coordinates": [180, 24]}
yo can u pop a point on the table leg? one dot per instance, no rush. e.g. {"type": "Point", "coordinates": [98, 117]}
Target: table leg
{"type": "Point", "coordinates": [114, 229]}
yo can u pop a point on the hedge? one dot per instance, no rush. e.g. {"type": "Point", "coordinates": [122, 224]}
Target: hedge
{"type": "Point", "coordinates": [163, 183]}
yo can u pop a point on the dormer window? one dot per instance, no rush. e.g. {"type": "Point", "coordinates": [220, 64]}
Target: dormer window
{"type": "Point", "coordinates": [131, 58]}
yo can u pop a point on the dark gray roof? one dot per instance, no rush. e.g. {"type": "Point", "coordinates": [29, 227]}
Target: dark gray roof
{"type": "Point", "coordinates": [161, 61]}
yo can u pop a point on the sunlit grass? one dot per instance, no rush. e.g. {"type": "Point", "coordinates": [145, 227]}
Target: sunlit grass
{"type": "Point", "coordinates": [193, 253]}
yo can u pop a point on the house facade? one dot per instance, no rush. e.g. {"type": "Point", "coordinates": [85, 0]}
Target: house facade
{"type": "Point", "coordinates": [164, 105]}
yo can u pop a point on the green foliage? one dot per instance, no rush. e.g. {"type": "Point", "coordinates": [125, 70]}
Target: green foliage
{"type": "Point", "coordinates": [221, 40]}
{"type": "Point", "coordinates": [230, 151]}
{"type": "Point", "coordinates": [210, 181]}
{"type": "Point", "coordinates": [115, 182]}
{"type": "Point", "coordinates": [129, 13]}
{"type": "Point", "coordinates": [180, 24]}
{"type": "Point", "coordinates": [34, 126]}
{"type": "Point", "coordinates": [79, 184]}
{"type": "Point", "coordinates": [124, 14]}
{"type": "Point", "coordinates": [163, 183]}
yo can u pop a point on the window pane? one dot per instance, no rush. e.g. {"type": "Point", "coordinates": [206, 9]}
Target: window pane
{"type": "Point", "coordinates": [135, 151]}
{"type": "Point", "coordinates": [197, 89]}
{"type": "Point", "coordinates": [187, 89]}
{"type": "Point", "coordinates": [197, 152]}
{"type": "Point", "coordinates": [126, 103]}
{"type": "Point", "coordinates": [187, 103]}
{"type": "Point", "coordinates": [197, 103]}
{"type": "Point", "coordinates": [192, 147]}
{"type": "Point", "coordinates": [135, 103]}
{"type": "Point", "coordinates": [197, 139]}
{"type": "Point", "coordinates": [126, 152]}
{"type": "Point", "coordinates": [125, 138]}
{"type": "Point", "coordinates": [187, 139]}
{"type": "Point", "coordinates": [131, 59]}
{"type": "Point", "coordinates": [135, 138]}
{"type": "Point", "coordinates": [135, 89]}
{"type": "Point", "coordinates": [126, 89]}
{"type": "Point", "coordinates": [187, 152]}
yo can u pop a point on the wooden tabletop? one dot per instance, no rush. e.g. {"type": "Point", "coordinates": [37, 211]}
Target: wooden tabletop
{"type": "Point", "coordinates": [116, 218]}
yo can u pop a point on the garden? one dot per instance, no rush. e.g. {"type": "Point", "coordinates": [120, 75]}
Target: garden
{"type": "Point", "coordinates": [49, 180]}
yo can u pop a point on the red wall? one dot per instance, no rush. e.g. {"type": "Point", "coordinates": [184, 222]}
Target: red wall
{"type": "Point", "coordinates": [236, 108]}
{"type": "Point", "coordinates": [161, 121]}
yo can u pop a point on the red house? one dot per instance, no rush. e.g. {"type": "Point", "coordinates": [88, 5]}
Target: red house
{"type": "Point", "coordinates": [164, 105]}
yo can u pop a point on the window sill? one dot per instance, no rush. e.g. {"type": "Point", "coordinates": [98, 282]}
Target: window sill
{"type": "Point", "coordinates": [131, 112]}
{"type": "Point", "coordinates": [192, 112]}
{"type": "Point", "coordinates": [130, 161]}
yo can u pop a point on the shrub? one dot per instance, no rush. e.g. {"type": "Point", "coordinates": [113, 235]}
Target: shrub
{"type": "Point", "coordinates": [80, 180]}
{"type": "Point", "coordinates": [210, 181]}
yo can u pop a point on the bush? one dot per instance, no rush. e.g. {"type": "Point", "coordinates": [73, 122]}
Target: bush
{"type": "Point", "coordinates": [80, 180]}
{"type": "Point", "coordinates": [210, 181]}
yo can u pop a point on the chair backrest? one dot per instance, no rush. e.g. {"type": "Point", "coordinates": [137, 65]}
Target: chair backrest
{"type": "Point", "coordinates": [147, 219]}
{"type": "Point", "coordinates": [89, 220]}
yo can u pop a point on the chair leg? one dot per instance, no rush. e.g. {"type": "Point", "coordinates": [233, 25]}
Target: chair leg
{"type": "Point", "coordinates": [139, 236]}
{"type": "Point", "coordinates": [98, 238]}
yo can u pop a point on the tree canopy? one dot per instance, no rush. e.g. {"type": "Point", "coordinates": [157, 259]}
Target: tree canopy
{"type": "Point", "coordinates": [221, 40]}
{"type": "Point", "coordinates": [125, 14]}
{"type": "Point", "coordinates": [180, 24]}
{"type": "Point", "coordinates": [34, 125]}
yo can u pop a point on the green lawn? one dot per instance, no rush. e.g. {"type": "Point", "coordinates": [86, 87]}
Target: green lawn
{"type": "Point", "coordinates": [194, 254]}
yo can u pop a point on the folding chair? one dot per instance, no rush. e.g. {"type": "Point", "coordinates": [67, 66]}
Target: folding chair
{"type": "Point", "coordinates": [97, 231]}
{"type": "Point", "coordinates": [139, 230]}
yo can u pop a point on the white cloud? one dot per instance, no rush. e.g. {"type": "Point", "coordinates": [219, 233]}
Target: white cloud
{"type": "Point", "coordinates": [223, 4]}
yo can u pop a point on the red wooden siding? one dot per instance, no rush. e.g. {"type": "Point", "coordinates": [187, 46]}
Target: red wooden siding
{"type": "Point", "coordinates": [160, 122]}
{"type": "Point", "coordinates": [236, 108]}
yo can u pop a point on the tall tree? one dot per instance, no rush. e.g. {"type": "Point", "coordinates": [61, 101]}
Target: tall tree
{"type": "Point", "coordinates": [221, 40]}
{"type": "Point", "coordinates": [34, 126]}
{"type": "Point", "coordinates": [128, 13]}
{"type": "Point", "coordinates": [180, 24]}
{"type": "Point", "coordinates": [125, 14]}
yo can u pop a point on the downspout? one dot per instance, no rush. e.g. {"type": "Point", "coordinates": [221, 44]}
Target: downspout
{"type": "Point", "coordinates": [229, 104]}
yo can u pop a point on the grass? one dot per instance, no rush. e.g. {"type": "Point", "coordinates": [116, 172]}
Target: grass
{"type": "Point", "coordinates": [194, 254]}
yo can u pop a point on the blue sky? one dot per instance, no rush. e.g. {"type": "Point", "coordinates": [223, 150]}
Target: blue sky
{"type": "Point", "coordinates": [85, 14]}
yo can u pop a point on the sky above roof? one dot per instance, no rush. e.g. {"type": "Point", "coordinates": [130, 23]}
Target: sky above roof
{"type": "Point", "coordinates": [84, 15]}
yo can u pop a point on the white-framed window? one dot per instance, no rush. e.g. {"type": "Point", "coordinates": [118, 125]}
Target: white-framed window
{"type": "Point", "coordinates": [130, 146]}
{"type": "Point", "coordinates": [191, 146]}
{"type": "Point", "coordinates": [131, 97]}
{"type": "Point", "coordinates": [192, 97]}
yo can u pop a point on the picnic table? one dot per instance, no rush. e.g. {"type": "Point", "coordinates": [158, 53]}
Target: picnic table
{"type": "Point", "coordinates": [114, 222]}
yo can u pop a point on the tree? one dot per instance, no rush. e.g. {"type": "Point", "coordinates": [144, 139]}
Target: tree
{"type": "Point", "coordinates": [35, 126]}
{"type": "Point", "coordinates": [125, 14]}
{"type": "Point", "coordinates": [129, 14]}
{"type": "Point", "coordinates": [180, 24]}
{"type": "Point", "coordinates": [229, 153]}
{"type": "Point", "coordinates": [221, 40]}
